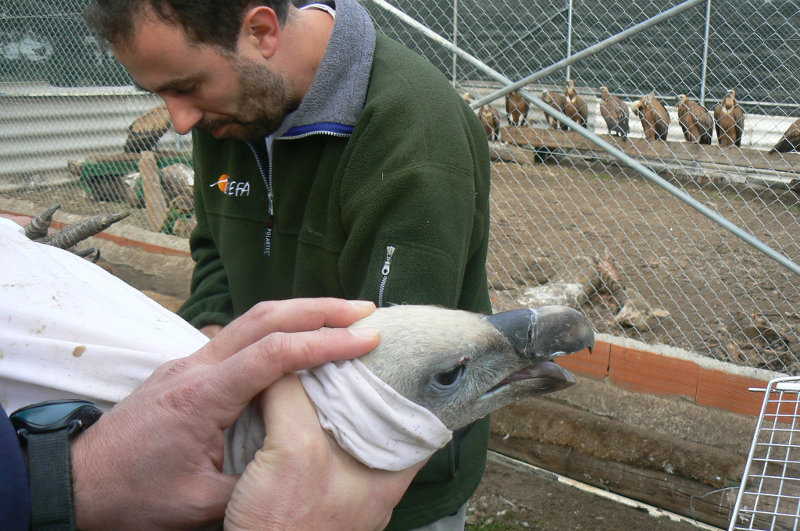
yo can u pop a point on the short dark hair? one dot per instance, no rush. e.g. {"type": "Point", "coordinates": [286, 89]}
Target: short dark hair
{"type": "Point", "coordinates": [214, 22]}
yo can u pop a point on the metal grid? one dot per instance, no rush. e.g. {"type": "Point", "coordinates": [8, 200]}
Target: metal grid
{"type": "Point", "coordinates": [769, 495]}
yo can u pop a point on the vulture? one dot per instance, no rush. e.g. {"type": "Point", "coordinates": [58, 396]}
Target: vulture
{"type": "Point", "coordinates": [696, 122]}
{"type": "Point", "coordinates": [145, 132]}
{"type": "Point", "coordinates": [654, 116]}
{"type": "Point", "coordinates": [575, 107]}
{"type": "Point", "coordinates": [516, 108]}
{"type": "Point", "coordinates": [615, 113]}
{"type": "Point", "coordinates": [790, 141]}
{"type": "Point", "coordinates": [557, 101]}
{"type": "Point", "coordinates": [729, 121]}
{"type": "Point", "coordinates": [490, 119]}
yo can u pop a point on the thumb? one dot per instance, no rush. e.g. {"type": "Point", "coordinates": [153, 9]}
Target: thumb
{"type": "Point", "coordinates": [287, 410]}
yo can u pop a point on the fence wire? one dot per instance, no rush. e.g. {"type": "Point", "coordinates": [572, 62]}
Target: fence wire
{"type": "Point", "coordinates": [570, 222]}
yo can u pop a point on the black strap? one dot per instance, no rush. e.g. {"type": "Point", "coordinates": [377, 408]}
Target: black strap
{"type": "Point", "coordinates": [50, 481]}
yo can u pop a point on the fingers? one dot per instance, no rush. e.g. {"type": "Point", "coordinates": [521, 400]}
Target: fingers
{"type": "Point", "coordinates": [236, 380]}
{"type": "Point", "coordinates": [293, 315]}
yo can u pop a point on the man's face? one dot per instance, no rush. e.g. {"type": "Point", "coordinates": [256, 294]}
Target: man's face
{"type": "Point", "coordinates": [229, 94]}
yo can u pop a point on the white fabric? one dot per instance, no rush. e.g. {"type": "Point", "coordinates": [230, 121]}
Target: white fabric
{"type": "Point", "coordinates": [70, 329]}
{"type": "Point", "coordinates": [369, 419]}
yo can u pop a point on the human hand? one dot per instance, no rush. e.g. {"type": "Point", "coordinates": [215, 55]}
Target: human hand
{"type": "Point", "coordinates": [154, 461]}
{"type": "Point", "coordinates": [301, 479]}
{"type": "Point", "coordinates": [211, 330]}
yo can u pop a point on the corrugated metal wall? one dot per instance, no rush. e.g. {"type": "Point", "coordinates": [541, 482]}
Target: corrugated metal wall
{"type": "Point", "coordinates": [42, 127]}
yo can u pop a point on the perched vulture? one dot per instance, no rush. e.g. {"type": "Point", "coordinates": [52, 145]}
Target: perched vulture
{"type": "Point", "coordinates": [790, 141]}
{"type": "Point", "coordinates": [557, 101]}
{"type": "Point", "coordinates": [729, 121]}
{"type": "Point", "coordinates": [490, 119]}
{"type": "Point", "coordinates": [145, 132]}
{"type": "Point", "coordinates": [575, 108]}
{"type": "Point", "coordinates": [655, 118]}
{"type": "Point", "coordinates": [615, 112]}
{"type": "Point", "coordinates": [516, 108]}
{"type": "Point", "coordinates": [696, 122]}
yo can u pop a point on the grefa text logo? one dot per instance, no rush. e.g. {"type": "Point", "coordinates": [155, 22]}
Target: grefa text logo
{"type": "Point", "coordinates": [230, 187]}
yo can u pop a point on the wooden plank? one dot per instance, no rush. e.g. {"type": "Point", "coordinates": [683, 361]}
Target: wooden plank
{"type": "Point", "coordinates": [673, 493]}
{"type": "Point", "coordinates": [541, 419]}
{"type": "Point", "coordinates": [153, 194]}
{"type": "Point", "coordinates": [533, 137]}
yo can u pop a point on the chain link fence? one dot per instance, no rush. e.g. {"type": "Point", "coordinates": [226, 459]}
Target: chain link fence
{"type": "Point", "coordinates": [664, 241]}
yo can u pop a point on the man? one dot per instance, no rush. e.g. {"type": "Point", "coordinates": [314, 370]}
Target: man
{"type": "Point", "coordinates": [330, 161]}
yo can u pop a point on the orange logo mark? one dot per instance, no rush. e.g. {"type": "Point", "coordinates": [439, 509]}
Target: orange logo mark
{"type": "Point", "coordinates": [222, 182]}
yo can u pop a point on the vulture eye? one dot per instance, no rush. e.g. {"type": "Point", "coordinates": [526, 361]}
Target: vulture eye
{"type": "Point", "coordinates": [450, 377]}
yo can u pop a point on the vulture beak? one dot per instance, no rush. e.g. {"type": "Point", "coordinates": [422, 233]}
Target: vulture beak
{"type": "Point", "coordinates": [546, 332]}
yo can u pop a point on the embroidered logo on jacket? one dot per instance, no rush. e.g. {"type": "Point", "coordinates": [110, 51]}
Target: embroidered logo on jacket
{"type": "Point", "coordinates": [230, 187]}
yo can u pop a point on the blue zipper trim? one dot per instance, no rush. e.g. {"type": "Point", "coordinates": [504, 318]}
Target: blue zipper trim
{"type": "Point", "coordinates": [334, 128]}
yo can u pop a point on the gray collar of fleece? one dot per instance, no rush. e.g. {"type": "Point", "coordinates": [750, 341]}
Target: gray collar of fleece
{"type": "Point", "coordinates": [335, 99]}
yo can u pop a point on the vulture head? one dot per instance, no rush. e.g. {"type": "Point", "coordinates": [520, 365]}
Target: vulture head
{"type": "Point", "coordinates": [461, 366]}
{"type": "Point", "coordinates": [570, 91]}
{"type": "Point", "coordinates": [636, 107]}
{"type": "Point", "coordinates": [729, 101]}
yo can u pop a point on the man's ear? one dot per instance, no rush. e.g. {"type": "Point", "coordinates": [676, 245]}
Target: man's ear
{"type": "Point", "coordinates": [260, 30]}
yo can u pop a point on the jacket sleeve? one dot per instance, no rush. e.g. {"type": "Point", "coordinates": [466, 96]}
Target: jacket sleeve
{"type": "Point", "coordinates": [15, 504]}
{"type": "Point", "coordinates": [210, 300]}
{"type": "Point", "coordinates": [415, 207]}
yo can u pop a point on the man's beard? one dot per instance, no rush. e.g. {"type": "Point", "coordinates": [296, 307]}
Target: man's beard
{"type": "Point", "coordinates": [263, 103]}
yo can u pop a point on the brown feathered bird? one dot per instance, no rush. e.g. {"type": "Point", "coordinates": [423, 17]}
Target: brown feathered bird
{"type": "Point", "coordinates": [557, 101]}
{"type": "Point", "coordinates": [575, 108]}
{"type": "Point", "coordinates": [654, 117]}
{"type": "Point", "coordinates": [145, 132]}
{"type": "Point", "coordinates": [615, 113]}
{"type": "Point", "coordinates": [729, 121]}
{"type": "Point", "coordinates": [490, 119]}
{"type": "Point", "coordinates": [696, 122]}
{"type": "Point", "coordinates": [516, 108]}
{"type": "Point", "coordinates": [790, 141]}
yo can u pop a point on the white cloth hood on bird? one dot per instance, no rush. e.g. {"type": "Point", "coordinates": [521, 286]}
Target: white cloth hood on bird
{"type": "Point", "coordinates": [74, 330]}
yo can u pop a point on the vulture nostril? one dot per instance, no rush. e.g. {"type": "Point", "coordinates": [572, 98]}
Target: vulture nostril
{"type": "Point", "coordinates": [450, 377]}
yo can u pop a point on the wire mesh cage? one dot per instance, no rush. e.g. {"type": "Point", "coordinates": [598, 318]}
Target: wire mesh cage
{"type": "Point", "coordinates": [692, 248]}
{"type": "Point", "coordinates": [769, 494]}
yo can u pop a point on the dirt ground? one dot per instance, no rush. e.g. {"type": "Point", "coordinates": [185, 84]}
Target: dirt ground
{"type": "Point", "coordinates": [700, 287]}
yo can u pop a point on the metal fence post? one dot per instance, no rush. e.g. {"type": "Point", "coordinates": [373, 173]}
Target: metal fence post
{"type": "Point", "coordinates": [705, 54]}
{"type": "Point", "coordinates": [455, 38]}
{"type": "Point", "coordinates": [569, 37]}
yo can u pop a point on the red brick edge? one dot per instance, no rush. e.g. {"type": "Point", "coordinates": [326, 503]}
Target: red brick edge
{"type": "Point", "coordinates": [119, 240]}
{"type": "Point", "coordinates": [641, 371]}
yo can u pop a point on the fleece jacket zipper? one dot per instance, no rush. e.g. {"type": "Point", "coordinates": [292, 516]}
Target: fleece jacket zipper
{"type": "Point", "coordinates": [387, 266]}
{"type": "Point", "coordinates": [266, 176]}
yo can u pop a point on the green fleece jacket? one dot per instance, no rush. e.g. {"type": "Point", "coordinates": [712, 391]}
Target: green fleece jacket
{"type": "Point", "coordinates": [393, 209]}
